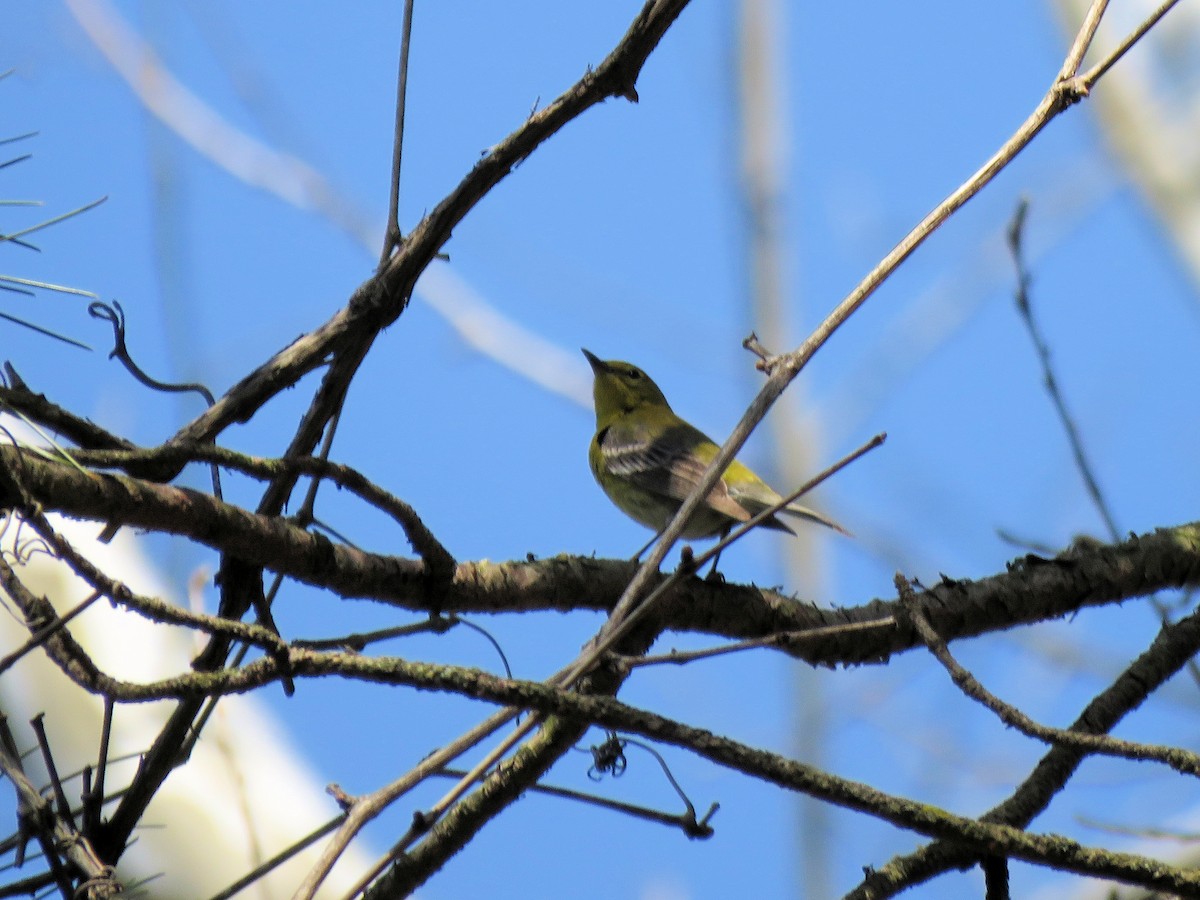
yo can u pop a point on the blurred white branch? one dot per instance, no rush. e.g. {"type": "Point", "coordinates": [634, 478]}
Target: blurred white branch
{"type": "Point", "coordinates": [764, 126]}
{"type": "Point", "coordinates": [245, 788]}
{"type": "Point", "coordinates": [477, 322]}
{"type": "Point", "coordinates": [1149, 112]}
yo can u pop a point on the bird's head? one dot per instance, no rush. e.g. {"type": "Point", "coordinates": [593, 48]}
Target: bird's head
{"type": "Point", "coordinates": [621, 387]}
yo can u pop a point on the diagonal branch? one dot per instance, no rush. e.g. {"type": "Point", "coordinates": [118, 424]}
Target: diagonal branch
{"type": "Point", "coordinates": [1183, 761]}
{"type": "Point", "coordinates": [1063, 93]}
{"type": "Point", "coordinates": [59, 835]}
{"type": "Point", "coordinates": [570, 712]}
{"type": "Point", "coordinates": [382, 298]}
{"type": "Point", "coordinates": [1173, 647]}
{"type": "Point", "coordinates": [1171, 650]}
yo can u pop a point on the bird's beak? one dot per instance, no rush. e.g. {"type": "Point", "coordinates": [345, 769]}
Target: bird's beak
{"type": "Point", "coordinates": [598, 365]}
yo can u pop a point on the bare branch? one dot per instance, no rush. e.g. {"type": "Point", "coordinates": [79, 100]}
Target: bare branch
{"type": "Point", "coordinates": [379, 301]}
{"type": "Point", "coordinates": [1180, 760]}
{"type": "Point", "coordinates": [391, 240]}
{"type": "Point", "coordinates": [1033, 589]}
{"type": "Point", "coordinates": [61, 839]}
{"type": "Point", "coordinates": [1170, 651]}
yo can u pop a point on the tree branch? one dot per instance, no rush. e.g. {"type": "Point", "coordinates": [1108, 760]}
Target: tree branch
{"type": "Point", "coordinates": [380, 300]}
{"type": "Point", "coordinates": [1033, 589]}
{"type": "Point", "coordinates": [1171, 650]}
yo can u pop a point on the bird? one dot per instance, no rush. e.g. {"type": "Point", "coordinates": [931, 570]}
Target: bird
{"type": "Point", "coordinates": [648, 460]}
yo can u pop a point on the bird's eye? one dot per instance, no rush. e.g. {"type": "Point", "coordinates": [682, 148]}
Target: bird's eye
{"type": "Point", "coordinates": [635, 374]}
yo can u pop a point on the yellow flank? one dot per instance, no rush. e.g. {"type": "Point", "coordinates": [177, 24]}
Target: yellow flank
{"type": "Point", "coordinates": [648, 460]}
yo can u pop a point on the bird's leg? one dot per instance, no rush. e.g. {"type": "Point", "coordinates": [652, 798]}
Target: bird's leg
{"type": "Point", "coordinates": [646, 546]}
{"type": "Point", "coordinates": [713, 575]}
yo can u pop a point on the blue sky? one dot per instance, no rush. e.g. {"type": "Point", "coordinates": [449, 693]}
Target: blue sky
{"type": "Point", "coordinates": [625, 234]}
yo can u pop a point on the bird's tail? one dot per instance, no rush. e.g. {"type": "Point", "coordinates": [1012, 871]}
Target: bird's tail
{"type": "Point", "coordinates": [803, 512]}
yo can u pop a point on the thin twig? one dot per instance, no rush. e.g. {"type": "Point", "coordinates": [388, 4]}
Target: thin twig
{"type": "Point", "coordinates": [56, 786]}
{"type": "Point", "coordinates": [393, 237]}
{"type": "Point", "coordinates": [630, 809]}
{"type": "Point", "coordinates": [423, 541]}
{"type": "Point", "coordinates": [46, 632]}
{"type": "Point", "coordinates": [700, 827]}
{"type": "Point", "coordinates": [1015, 237]}
{"type": "Point", "coordinates": [1182, 761]}
{"type": "Point", "coordinates": [359, 641]}
{"type": "Point", "coordinates": [48, 286]}
{"type": "Point", "coordinates": [1170, 651]}
{"type": "Point", "coordinates": [93, 826]}
{"type": "Point", "coordinates": [1083, 40]}
{"type": "Point", "coordinates": [1097, 71]}
{"type": "Point", "coordinates": [1152, 832]}
{"type": "Point", "coordinates": [1060, 96]}
{"type": "Point", "coordinates": [1016, 231]}
{"type": "Point", "coordinates": [33, 326]}
{"type": "Point", "coordinates": [745, 527]}
{"type": "Point", "coordinates": [278, 859]}
{"type": "Point", "coordinates": [781, 639]}
{"type": "Point", "coordinates": [51, 221]}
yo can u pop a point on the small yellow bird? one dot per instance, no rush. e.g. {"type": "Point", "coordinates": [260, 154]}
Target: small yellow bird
{"type": "Point", "coordinates": [648, 460]}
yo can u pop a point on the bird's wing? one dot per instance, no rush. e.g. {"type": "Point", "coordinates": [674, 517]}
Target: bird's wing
{"type": "Point", "coordinates": [756, 495]}
{"type": "Point", "coordinates": [670, 465]}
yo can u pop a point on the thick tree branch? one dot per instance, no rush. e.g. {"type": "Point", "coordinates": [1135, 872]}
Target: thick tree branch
{"type": "Point", "coordinates": [984, 836]}
{"type": "Point", "coordinates": [1172, 649]}
{"type": "Point", "coordinates": [1033, 589]}
{"type": "Point", "coordinates": [20, 399]}
{"type": "Point", "coordinates": [436, 556]}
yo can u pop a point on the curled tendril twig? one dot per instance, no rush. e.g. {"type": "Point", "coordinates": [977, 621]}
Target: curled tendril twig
{"type": "Point", "coordinates": [609, 758]}
{"type": "Point", "coordinates": [115, 316]}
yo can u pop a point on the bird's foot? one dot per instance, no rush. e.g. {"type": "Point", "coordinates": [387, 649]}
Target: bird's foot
{"type": "Point", "coordinates": [687, 561]}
